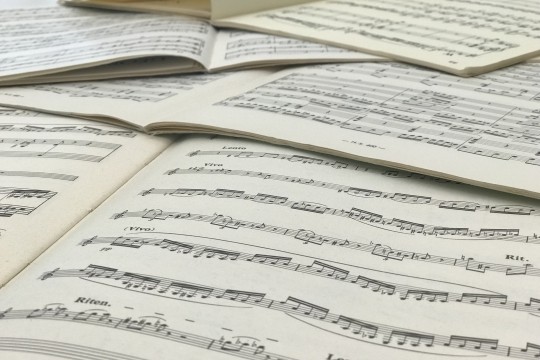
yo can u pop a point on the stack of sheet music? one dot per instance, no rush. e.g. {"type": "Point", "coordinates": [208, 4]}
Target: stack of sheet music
{"type": "Point", "coordinates": [377, 200]}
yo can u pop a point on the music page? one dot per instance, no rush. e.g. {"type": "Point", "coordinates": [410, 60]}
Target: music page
{"type": "Point", "coordinates": [234, 48]}
{"type": "Point", "coordinates": [464, 37]}
{"type": "Point", "coordinates": [44, 37]}
{"type": "Point", "coordinates": [481, 130]}
{"type": "Point", "coordinates": [224, 249]}
{"type": "Point", "coordinates": [83, 44]}
{"type": "Point", "coordinates": [135, 102]}
{"type": "Point", "coordinates": [54, 171]}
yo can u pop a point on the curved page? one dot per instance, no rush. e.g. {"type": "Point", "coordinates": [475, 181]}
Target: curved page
{"type": "Point", "coordinates": [458, 36]}
{"type": "Point", "coordinates": [228, 249]}
{"type": "Point", "coordinates": [54, 171]}
{"type": "Point", "coordinates": [481, 130]}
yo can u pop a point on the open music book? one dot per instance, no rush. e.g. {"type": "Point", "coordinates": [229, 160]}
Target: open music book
{"type": "Point", "coordinates": [463, 37]}
{"type": "Point", "coordinates": [223, 248]}
{"type": "Point", "coordinates": [43, 43]}
{"type": "Point", "coordinates": [208, 9]}
{"type": "Point", "coordinates": [54, 171]}
{"type": "Point", "coordinates": [483, 130]}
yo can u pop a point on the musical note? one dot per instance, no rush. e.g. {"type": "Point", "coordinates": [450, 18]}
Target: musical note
{"type": "Point", "coordinates": [349, 190]}
{"type": "Point", "coordinates": [59, 349]}
{"type": "Point", "coordinates": [359, 215]}
{"type": "Point", "coordinates": [241, 45]}
{"type": "Point", "coordinates": [93, 151]}
{"type": "Point", "coordinates": [336, 164]}
{"type": "Point", "coordinates": [417, 33]}
{"type": "Point", "coordinates": [530, 351]}
{"type": "Point", "coordinates": [78, 129]}
{"type": "Point", "coordinates": [146, 326]}
{"type": "Point", "coordinates": [317, 268]}
{"type": "Point", "coordinates": [145, 90]}
{"type": "Point", "coordinates": [367, 104]}
{"type": "Point", "coordinates": [378, 333]}
{"type": "Point", "coordinates": [430, 296]}
{"type": "Point", "coordinates": [472, 343]}
{"type": "Point", "coordinates": [17, 201]}
{"type": "Point", "coordinates": [309, 237]}
{"type": "Point", "coordinates": [330, 270]}
{"type": "Point", "coordinates": [39, 174]}
{"type": "Point", "coordinates": [415, 339]}
{"type": "Point", "coordinates": [218, 253]}
{"type": "Point", "coordinates": [84, 40]}
{"type": "Point", "coordinates": [18, 112]}
{"type": "Point", "coordinates": [485, 298]}
{"type": "Point", "coordinates": [357, 326]}
{"type": "Point", "coordinates": [271, 259]}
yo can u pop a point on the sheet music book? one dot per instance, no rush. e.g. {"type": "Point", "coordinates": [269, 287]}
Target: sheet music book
{"type": "Point", "coordinates": [53, 172]}
{"type": "Point", "coordinates": [463, 37]}
{"type": "Point", "coordinates": [482, 130]}
{"type": "Point", "coordinates": [43, 43]}
{"type": "Point", "coordinates": [201, 8]}
{"type": "Point", "coordinates": [224, 248]}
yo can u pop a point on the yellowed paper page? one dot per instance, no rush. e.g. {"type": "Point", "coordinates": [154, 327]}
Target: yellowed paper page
{"type": "Point", "coordinates": [464, 37]}
{"type": "Point", "coordinates": [47, 43]}
{"type": "Point", "coordinates": [229, 249]}
{"type": "Point", "coordinates": [54, 171]}
{"type": "Point", "coordinates": [45, 38]}
{"type": "Point", "coordinates": [480, 130]}
{"type": "Point", "coordinates": [242, 49]}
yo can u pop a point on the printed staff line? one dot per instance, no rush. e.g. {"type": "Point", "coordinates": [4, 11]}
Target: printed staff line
{"type": "Point", "coordinates": [350, 93]}
{"type": "Point", "coordinates": [374, 224]}
{"type": "Point", "coordinates": [43, 175]}
{"type": "Point", "coordinates": [25, 193]}
{"type": "Point", "coordinates": [357, 98]}
{"type": "Point", "coordinates": [481, 83]}
{"type": "Point", "coordinates": [418, 106]}
{"type": "Point", "coordinates": [305, 256]}
{"type": "Point", "coordinates": [52, 155]}
{"type": "Point", "coordinates": [454, 140]}
{"type": "Point", "coordinates": [393, 337]}
{"type": "Point", "coordinates": [298, 18]}
{"type": "Point", "coordinates": [363, 268]}
{"type": "Point", "coordinates": [11, 112]}
{"type": "Point", "coordinates": [59, 142]}
{"type": "Point", "coordinates": [145, 325]}
{"type": "Point", "coordinates": [82, 51]}
{"type": "Point", "coordinates": [324, 270]}
{"type": "Point", "coordinates": [346, 16]}
{"type": "Point", "coordinates": [367, 342]}
{"type": "Point", "coordinates": [309, 237]}
{"type": "Point", "coordinates": [336, 164]}
{"type": "Point", "coordinates": [184, 300]}
{"type": "Point", "coordinates": [11, 205]}
{"type": "Point", "coordinates": [359, 215]}
{"type": "Point", "coordinates": [349, 101]}
{"type": "Point", "coordinates": [367, 193]}
{"type": "Point", "coordinates": [60, 349]}
{"type": "Point", "coordinates": [8, 210]}
{"type": "Point", "coordinates": [57, 128]}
